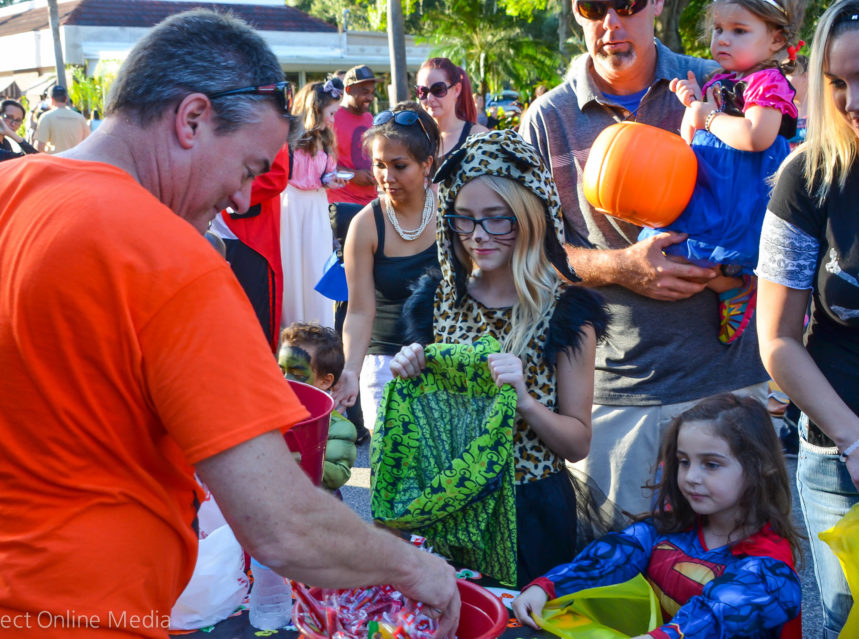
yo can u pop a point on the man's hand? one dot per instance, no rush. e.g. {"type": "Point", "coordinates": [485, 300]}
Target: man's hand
{"type": "Point", "coordinates": [363, 177]}
{"type": "Point", "coordinates": [646, 270]}
{"type": "Point", "coordinates": [436, 587]}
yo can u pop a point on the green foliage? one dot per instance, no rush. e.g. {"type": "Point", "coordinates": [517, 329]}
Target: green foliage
{"type": "Point", "coordinates": [695, 42]}
{"type": "Point", "coordinates": [495, 49]}
{"type": "Point", "coordinates": [524, 9]}
{"type": "Point", "coordinates": [89, 93]}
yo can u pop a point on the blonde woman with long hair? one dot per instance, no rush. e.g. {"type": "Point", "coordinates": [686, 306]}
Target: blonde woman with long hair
{"type": "Point", "coordinates": [810, 245]}
{"type": "Point", "coordinates": [500, 238]}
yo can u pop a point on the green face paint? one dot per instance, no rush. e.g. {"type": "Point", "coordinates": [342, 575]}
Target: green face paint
{"type": "Point", "coordinates": [295, 363]}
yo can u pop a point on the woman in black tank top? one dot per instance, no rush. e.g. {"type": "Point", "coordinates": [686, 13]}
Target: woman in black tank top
{"type": "Point", "coordinates": [444, 90]}
{"type": "Point", "coordinates": [389, 245]}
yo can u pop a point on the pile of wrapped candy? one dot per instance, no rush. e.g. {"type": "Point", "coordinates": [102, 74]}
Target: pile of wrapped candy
{"type": "Point", "coordinates": [376, 612]}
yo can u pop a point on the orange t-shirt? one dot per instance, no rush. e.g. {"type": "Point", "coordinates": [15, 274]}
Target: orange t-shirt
{"type": "Point", "coordinates": [128, 352]}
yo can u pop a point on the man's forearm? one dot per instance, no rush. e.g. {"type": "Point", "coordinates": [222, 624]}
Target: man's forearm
{"type": "Point", "coordinates": [296, 529]}
{"type": "Point", "coordinates": [596, 267]}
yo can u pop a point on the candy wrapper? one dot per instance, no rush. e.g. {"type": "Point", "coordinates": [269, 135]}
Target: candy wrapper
{"type": "Point", "coordinates": [375, 612]}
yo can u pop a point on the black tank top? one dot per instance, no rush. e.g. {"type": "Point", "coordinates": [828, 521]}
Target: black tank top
{"type": "Point", "coordinates": [393, 277]}
{"type": "Point", "coordinates": [466, 129]}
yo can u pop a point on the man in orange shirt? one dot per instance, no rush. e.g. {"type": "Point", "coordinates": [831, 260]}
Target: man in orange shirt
{"type": "Point", "coordinates": [132, 358]}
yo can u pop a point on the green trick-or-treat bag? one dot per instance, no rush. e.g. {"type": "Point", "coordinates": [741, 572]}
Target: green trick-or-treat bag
{"type": "Point", "coordinates": [442, 459]}
{"type": "Point", "coordinates": [618, 611]}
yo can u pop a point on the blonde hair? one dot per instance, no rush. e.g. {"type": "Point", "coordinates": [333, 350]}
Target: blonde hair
{"type": "Point", "coordinates": [534, 277]}
{"type": "Point", "coordinates": [830, 142]}
{"type": "Point", "coordinates": [310, 102]}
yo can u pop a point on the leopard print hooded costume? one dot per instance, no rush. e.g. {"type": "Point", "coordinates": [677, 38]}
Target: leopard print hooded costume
{"type": "Point", "coordinates": [546, 501]}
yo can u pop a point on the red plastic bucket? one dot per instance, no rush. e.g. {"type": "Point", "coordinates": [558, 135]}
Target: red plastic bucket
{"type": "Point", "coordinates": [482, 615]}
{"type": "Point", "coordinates": [310, 436]}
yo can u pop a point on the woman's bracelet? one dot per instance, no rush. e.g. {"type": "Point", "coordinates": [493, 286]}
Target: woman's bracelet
{"type": "Point", "coordinates": [709, 121]}
{"type": "Point", "coordinates": [848, 451]}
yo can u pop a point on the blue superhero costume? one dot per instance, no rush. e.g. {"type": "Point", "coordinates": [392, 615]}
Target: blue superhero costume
{"type": "Point", "coordinates": [749, 589]}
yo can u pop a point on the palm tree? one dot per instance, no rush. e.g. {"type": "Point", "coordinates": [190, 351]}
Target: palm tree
{"type": "Point", "coordinates": [491, 45]}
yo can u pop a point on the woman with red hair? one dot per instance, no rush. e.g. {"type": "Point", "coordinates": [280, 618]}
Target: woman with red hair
{"type": "Point", "coordinates": [444, 91]}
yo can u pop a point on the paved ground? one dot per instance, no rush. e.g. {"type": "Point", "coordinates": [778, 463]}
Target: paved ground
{"type": "Point", "coordinates": [357, 494]}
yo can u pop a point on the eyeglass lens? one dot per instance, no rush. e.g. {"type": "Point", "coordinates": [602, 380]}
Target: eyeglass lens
{"type": "Point", "coordinates": [597, 9]}
{"type": "Point", "coordinates": [464, 225]}
{"type": "Point", "coordinates": [438, 89]}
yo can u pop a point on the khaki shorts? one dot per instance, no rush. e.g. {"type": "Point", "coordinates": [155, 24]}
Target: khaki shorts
{"type": "Point", "coordinates": [625, 446]}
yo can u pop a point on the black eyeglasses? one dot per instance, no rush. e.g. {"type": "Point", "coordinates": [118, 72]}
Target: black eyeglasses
{"type": "Point", "coordinates": [403, 118]}
{"type": "Point", "coordinates": [13, 120]}
{"type": "Point", "coordinates": [597, 9]}
{"type": "Point", "coordinates": [279, 89]}
{"type": "Point", "coordinates": [438, 89]}
{"type": "Point", "coordinates": [498, 225]}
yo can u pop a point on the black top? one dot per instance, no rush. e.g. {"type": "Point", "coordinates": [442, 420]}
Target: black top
{"type": "Point", "coordinates": [26, 147]}
{"type": "Point", "coordinates": [393, 278]}
{"type": "Point", "coordinates": [832, 338]}
{"type": "Point", "coordinates": [463, 136]}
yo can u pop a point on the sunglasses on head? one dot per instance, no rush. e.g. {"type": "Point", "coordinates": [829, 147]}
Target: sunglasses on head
{"type": "Point", "coordinates": [438, 89]}
{"type": "Point", "coordinates": [597, 9]}
{"type": "Point", "coordinates": [281, 90]}
{"type": "Point", "coordinates": [403, 118]}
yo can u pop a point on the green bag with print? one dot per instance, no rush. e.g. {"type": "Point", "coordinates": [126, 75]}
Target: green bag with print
{"type": "Point", "coordinates": [442, 459]}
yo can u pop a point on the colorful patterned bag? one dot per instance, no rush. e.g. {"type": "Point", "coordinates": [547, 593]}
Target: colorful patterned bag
{"type": "Point", "coordinates": [442, 459]}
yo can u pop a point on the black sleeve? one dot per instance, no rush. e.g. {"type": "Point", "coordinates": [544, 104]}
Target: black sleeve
{"type": "Point", "coordinates": [26, 147]}
{"type": "Point", "coordinates": [577, 307]}
{"type": "Point", "coordinates": [418, 310]}
{"type": "Point", "coordinates": [793, 199]}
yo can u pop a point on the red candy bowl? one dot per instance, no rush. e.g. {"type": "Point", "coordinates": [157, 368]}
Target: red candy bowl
{"type": "Point", "coordinates": [482, 615]}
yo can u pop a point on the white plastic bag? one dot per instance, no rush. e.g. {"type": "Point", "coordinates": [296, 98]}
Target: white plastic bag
{"type": "Point", "coordinates": [218, 586]}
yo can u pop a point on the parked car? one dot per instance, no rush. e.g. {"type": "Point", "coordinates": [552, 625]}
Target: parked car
{"type": "Point", "coordinates": [507, 100]}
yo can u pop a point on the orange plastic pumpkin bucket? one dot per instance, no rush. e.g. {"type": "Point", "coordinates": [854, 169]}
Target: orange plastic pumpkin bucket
{"type": "Point", "coordinates": [310, 436]}
{"type": "Point", "coordinates": [481, 616]}
{"type": "Point", "coordinates": [640, 173]}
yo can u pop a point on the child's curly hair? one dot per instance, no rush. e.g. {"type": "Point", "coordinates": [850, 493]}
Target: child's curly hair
{"type": "Point", "coordinates": [328, 347]}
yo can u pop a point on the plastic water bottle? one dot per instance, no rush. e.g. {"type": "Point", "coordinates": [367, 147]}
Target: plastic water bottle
{"type": "Point", "coordinates": [271, 599]}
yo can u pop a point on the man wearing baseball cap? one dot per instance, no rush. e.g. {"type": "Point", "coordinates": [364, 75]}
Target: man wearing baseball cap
{"type": "Point", "coordinates": [61, 128]}
{"type": "Point", "coordinates": [350, 122]}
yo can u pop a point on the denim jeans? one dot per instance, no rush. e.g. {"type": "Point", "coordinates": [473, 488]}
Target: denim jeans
{"type": "Point", "coordinates": [826, 493]}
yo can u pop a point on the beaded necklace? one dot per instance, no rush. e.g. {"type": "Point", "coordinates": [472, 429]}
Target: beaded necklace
{"type": "Point", "coordinates": [426, 216]}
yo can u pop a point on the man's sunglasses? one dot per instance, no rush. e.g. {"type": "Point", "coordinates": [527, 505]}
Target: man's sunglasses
{"type": "Point", "coordinates": [403, 118]}
{"type": "Point", "coordinates": [282, 90]}
{"type": "Point", "coordinates": [597, 9]}
{"type": "Point", "coordinates": [438, 89]}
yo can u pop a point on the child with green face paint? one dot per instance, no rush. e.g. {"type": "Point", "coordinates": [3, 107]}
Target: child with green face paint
{"type": "Point", "coordinates": [313, 354]}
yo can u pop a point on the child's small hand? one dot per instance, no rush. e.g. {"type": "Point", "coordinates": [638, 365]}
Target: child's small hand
{"type": "Point", "coordinates": [529, 602]}
{"type": "Point", "coordinates": [506, 368]}
{"type": "Point", "coordinates": [687, 91]}
{"type": "Point", "coordinates": [335, 183]}
{"type": "Point", "coordinates": [409, 362]}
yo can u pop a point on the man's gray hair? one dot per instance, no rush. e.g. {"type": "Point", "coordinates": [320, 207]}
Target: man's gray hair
{"type": "Point", "coordinates": [195, 51]}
